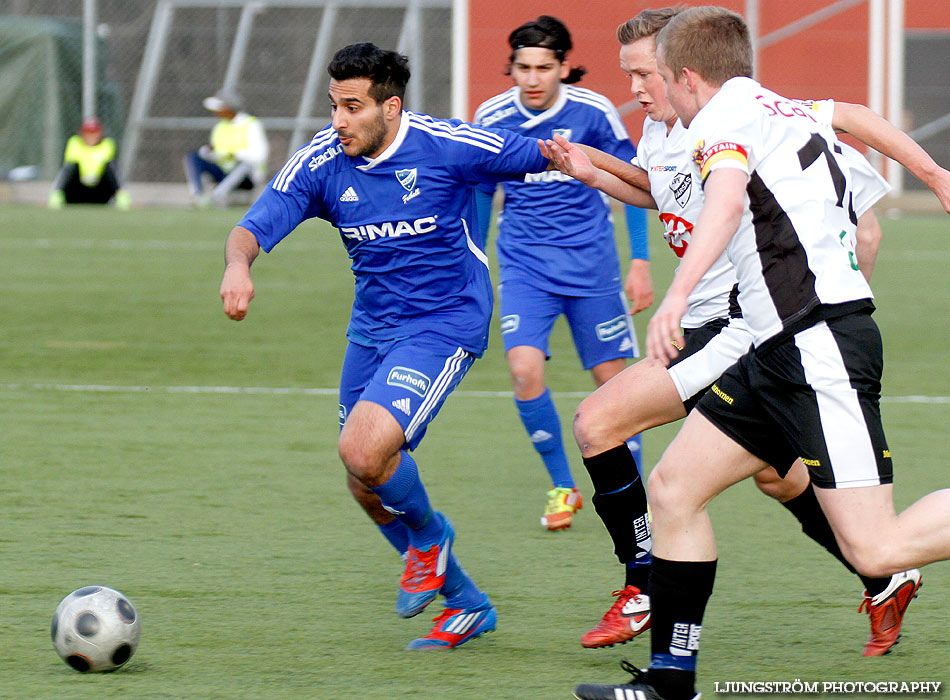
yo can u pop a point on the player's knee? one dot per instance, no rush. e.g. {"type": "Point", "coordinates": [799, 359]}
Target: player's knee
{"type": "Point", "coordinates": [668, 496]}
{"type": "Point", "coordinates": [527, 379]}
{"type": "Point", "coordinates": [359, 459]}
{"type": "Point", "coordinates": [589, 431]}
{"type": "Point", "coordinates": [871, 557]}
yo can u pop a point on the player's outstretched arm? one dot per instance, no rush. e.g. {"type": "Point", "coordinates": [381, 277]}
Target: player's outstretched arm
{"type": "Point", "coordinates": [878, 133]}
{"type": "Point", "coordinates": [715, 226]}
{"type": "Point", "coordinates": [628, 172]}
{"type": "Point", "coordinates": [575, 160]}
{"type": "Point", "coordinates": [237, 289]}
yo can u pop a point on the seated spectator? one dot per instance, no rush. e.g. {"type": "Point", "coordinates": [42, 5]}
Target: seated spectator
{"type": "Point", "coordinates": [88, 175]}
{"type": "Point", "coordinates": [236, 158]}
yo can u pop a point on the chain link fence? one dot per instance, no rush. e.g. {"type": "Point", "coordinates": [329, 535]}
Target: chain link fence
{"type": "Point", "coordinates": [200, 49]}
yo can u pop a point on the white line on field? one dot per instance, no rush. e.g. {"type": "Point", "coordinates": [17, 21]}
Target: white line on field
{"type": "Point", "coordinates": [332, 391]}
{"type": "Point", "coordinates": [113, 244]}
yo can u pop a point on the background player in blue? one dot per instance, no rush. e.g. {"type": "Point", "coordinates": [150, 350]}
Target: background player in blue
{"type": "Point", "coordinates": [556, 247]}
{"type": "Point", "coordinates": [389, 180]}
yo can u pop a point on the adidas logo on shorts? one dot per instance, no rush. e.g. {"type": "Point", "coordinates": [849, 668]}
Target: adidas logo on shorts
{"type": "Point", "coordinates": [349, 196]}
{"type": "Point", "coordinates": [403, 405]}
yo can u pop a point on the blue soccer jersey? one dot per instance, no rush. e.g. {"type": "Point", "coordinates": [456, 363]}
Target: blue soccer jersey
{"type": "Point", "coordinates": [406, 218]}
{"type": "Point", "coordinates": [554, 232]}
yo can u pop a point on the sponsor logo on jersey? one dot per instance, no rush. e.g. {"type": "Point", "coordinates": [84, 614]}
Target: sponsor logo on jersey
{"type": "Point", "coordinates": [349, 196]}
{"type": "Point", "coordinates": [403, 405]}
{"type": "Point", "coordinates": [389, 229]}
{"type": "Point", "coordinates": [342, 413]}
{"type": "Point", "coordinates": [566, 133]}
{"type": "Point", "coordinates": [811, 462]}
{"type": "Point", "coordinates": [663, 168]}
{"type": "Point", "coordinates": [328, 155]}
{"type": "Point", "coordinates": [612, 329]}
{"type": "Point", "coordinates": [407, 178]}
{"type": "Point", "coordinates": [498, 116]}
{"type": "Point", "coordinates": [510, 323]}
{"type": "Point", "coordinates": [681, 186]}
{"type": "Point", "coordinates": [677, 230]}
{"type": "Point", "coordinates": [724, 150]}
{"type": "Point", "coordinates": [547, 176]}
{"type": "Point", "coordinates": [414, 381]}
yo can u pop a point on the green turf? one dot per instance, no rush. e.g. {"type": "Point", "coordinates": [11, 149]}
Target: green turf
{"type": "Point", "coordinates": [225, 518]}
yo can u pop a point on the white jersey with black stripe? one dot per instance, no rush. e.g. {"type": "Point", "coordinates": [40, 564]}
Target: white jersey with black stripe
{"type": "Point", "coordinates": [794, 250]}
{"type": "Point", "coordinates": [679, 198]}
{"type": "Point", "coordinates": [868, 185]}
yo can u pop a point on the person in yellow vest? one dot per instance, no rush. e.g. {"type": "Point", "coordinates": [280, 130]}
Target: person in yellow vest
{"type": "Point", "coordinates": [88, 175]}
{"type": "Point", "coordinates": [236, 158]}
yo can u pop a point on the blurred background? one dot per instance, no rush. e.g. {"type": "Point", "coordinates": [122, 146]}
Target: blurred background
{"type": "Point", "coordinates": [144, 66]}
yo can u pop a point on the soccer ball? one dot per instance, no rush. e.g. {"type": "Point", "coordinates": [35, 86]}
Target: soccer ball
{"type": "Point", "coordinates": [95, 629]}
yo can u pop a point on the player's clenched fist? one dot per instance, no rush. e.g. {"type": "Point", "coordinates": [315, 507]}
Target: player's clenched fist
{"type": "Point", "coordinates": [237, 290]}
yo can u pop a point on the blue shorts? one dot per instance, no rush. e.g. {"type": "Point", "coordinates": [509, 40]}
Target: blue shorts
{"type": "Point", "coordinates": [601, 327]}
{"type": "Point", "coordinates": [409, 378]}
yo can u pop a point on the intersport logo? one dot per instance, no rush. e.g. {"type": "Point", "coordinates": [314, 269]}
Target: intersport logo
{"type": "Point", "coordinates": [389, 229]}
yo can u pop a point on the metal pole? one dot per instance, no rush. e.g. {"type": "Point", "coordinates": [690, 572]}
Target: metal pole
{"type": "Point", "coordinates": [752, 21]}
{"type": "Point", "coordinates": [318, 62]}
{"type": "Point", "coordinates": [409, 37]}
{"type": "Point", "coordinates": [241, 41]}
{"type": "Point", "coordinates": [145, 86]}
{"type": "Point", "coordinates": [88, 58]}
{"type": "Point", "coordinates": [876, 68]}
{"type": "Point", "coordinates": [460, 59]}
{"type": "Point", "coordinates": [895, 82]}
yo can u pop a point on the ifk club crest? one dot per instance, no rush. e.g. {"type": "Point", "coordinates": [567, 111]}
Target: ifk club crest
{"type": "Point", "coordinates": [407, 178]}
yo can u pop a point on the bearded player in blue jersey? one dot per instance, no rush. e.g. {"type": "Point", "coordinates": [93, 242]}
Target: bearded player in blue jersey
{"type": "Point", "coordinates": [398, 186]}
{"type": "Point", "coordinates": [556, 248]}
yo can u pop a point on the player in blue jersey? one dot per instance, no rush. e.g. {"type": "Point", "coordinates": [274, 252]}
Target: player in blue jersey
{"type": "Point", "coordinates": [398, 186]}
{"type": "Point", "coordinates": [556, 247]}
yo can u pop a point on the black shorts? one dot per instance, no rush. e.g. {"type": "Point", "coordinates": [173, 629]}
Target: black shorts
{"type": "Point", "coordinates": [814, 395]}
{"type": "Point", "coordinates": [709, 351]}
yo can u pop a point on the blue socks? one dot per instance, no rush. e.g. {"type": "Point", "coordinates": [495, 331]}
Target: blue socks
{"type": "Point", "coordinates": [417, 524]}
{"type": "Point", "coordinates": [405, 497]}
{"type": "Point", "coordinates": [397, 535]}
{"type": "Point", "coordinates": [544, 428]}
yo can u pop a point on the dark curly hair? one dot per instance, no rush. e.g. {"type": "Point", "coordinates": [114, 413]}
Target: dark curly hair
{"type": "Point", "coordinates": [545, 32]}
{"type": "Point", "coordinates": [387, 70]}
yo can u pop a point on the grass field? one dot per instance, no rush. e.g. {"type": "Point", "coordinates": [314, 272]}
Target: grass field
{"type": "Point", "coordinates": [131, 457]}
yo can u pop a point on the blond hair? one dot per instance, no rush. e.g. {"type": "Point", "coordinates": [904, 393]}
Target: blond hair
{"type": "Point", "coordinates": [712, 41]}
{"type": "Point", "coordinates": [646, 23]}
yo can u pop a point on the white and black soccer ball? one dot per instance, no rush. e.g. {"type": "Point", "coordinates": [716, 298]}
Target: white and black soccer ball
{"type": "Point", "coordinates": [95, 629]}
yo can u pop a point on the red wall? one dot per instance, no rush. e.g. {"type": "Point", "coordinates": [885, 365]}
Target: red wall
{"type": "Point", "coordinates": [827, 60]}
